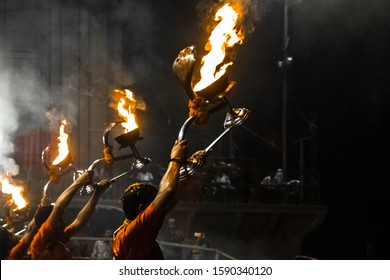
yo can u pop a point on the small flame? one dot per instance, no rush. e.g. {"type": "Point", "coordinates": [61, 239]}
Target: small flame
{"type": "Point", "coordinates": [63, 149]}
{"type": "Point", "coordinates": [224, 36]}
{"type": "Point", "coordinates": [126, 109]}
{"type": "Point", "coordinates": [16, 192]}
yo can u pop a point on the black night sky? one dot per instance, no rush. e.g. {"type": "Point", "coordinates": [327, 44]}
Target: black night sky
{"type": "Point", "coordinates": [338, 97]}
{"type": "Point", "coordinates": [337, 93]}
{"type": "Point", "coordinates": [337, 87]}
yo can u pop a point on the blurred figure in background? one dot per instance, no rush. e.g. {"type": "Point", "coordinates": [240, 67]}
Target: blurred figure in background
{"type": "Point", "coordinates": [102, 249]}
{"type": "Point", "coordinates": [145, 175]}
{"type": "Point", "coordinates": [225, 189]}
{"type": "Point", "coordinates": [173, 235]}
{"type": "Point", "coordinates": [201, 242]}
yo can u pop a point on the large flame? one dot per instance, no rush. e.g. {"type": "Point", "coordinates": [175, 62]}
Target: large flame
{"type": "Point", "coordinates": [16, 192]}
{"type": "Point", "coordinates": [126, 108]}
{"type": "Point", "coordinates": [223, 37]}
{"type": "Point", "coordinates": [63, 149]}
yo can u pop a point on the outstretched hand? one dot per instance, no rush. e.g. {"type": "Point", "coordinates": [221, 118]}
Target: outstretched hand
{"type": "Point", "coordinates": [199, 155]}
{"type": "Point", "coordinates": [102, 185]}
{"type": "Point", "coordinates": [85, 178]}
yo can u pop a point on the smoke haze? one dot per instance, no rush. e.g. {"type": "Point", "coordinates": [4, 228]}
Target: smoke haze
{"type": "Point", "coordinates": [23, 104]}
{"type": "Point", "coordinates": [8, 125]}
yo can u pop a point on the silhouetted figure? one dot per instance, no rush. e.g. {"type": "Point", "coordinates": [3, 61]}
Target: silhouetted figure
{"type": "Point", "coordinates": [145, 209]}
{"type": "Point", "coordinates": [201, 242]}
{"type": "Point", "coordinates": [49, 242]}
{"type": "Point", "coordinates": [224, 186]}
{"type": "Point", "coordinates": [102, 249]}
{"type": "Point", "coordinates": [11, 247]}
{"type": "Point", "coordinates": [173, 235]}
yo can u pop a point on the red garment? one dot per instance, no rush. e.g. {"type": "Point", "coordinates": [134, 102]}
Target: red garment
{"type": "Point", "coordinates": [136, 240]}
{"type": "Point", "coordinates": [49, 245]}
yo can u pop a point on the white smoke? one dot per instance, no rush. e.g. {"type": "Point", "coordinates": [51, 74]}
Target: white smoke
{"type": "Point", "coordinates": [24, 98]}
{"type": "Point", "coordinates": [23, 103]}
{"type": "Point", "coordinates": [8, 125]}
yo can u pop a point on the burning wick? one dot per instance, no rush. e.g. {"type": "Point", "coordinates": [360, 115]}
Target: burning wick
{"type": "Point", "coordinates": [126, 105]}
{"type": "Point", "coordinates": [224, 36]}
{"type": "Point", "coordinates": [63, 149]}
{"type": "Point", "coordinates": [126, 108]}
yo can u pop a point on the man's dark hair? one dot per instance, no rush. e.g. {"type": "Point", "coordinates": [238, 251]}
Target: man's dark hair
{"type": "Point", "coordinates": [42, 214]}
{"type": "Point", "coordinates": [136, 194]}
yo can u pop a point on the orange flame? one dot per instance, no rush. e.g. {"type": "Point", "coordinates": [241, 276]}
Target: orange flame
{"type": "Point", "coordinates": [63, 149]}
{"type": "Point", "coordinates": [224, 36]}
{"type": "Point", "coordinates": [16, 192]}
{"type": "Point", "coordinates": [126, 108]}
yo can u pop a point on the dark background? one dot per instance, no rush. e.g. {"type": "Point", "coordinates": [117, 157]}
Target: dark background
{"type": "Point", "coordinates": [337, 94]}
{"type": "Point", "coordinates": [337, 88]}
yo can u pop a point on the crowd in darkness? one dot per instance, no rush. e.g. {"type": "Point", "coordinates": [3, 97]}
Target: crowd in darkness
{"type": "Point", "coordinates": [218, 181]}
{"type": "Point", "coordinates": [144, 206]}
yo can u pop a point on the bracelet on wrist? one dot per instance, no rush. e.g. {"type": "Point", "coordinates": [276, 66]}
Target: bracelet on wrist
{"type": "Point", "coordinates": [178, 160]}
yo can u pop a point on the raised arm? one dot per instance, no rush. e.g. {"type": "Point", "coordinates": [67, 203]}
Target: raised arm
{"type": "Point", "coordinates": [32, 227]}
{"type": "Point", "coordinates": [87, 211]}
{"type": "Point", "coordinates": [169, 191]}
{"type": "Point", "coordinates": [18, 251]}
{"type": "Point", "coordinates": [66, 196]}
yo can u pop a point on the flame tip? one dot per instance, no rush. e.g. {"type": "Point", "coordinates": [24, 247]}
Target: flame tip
{"type": "Point", "coordinates": [126, 109]}
{"type": "Point", "coordinates": [223, 37]}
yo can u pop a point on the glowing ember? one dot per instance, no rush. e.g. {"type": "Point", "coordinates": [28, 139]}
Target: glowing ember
{"type": "Point", "coordinates": [224, 36]}
{"type": "Point", "coordinates": [16, 192]}
{"type": "Point", "coordinates": [63, 149]}
{"type": "Point", "coordinates": [126, 108]}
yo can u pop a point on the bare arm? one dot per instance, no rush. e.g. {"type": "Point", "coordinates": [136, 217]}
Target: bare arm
{"type": "Point", "coordinates": [87, 211]}
{"type": "Point", "coordinates": [30, 232]}
{"type": "Point", "coordinates": [183, 183]}
{"type": "Point", "coordinates": [66, 197]}
{"type": "Point", "coordinates": [18, 251]}
{"type": "Point", "coordinates": [169, 191]}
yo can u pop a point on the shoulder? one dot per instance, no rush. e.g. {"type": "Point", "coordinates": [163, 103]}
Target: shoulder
{"type": "Point", "coordinates": [44, 234]}
{"type": "Point", "coordinates": [145, 224]}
